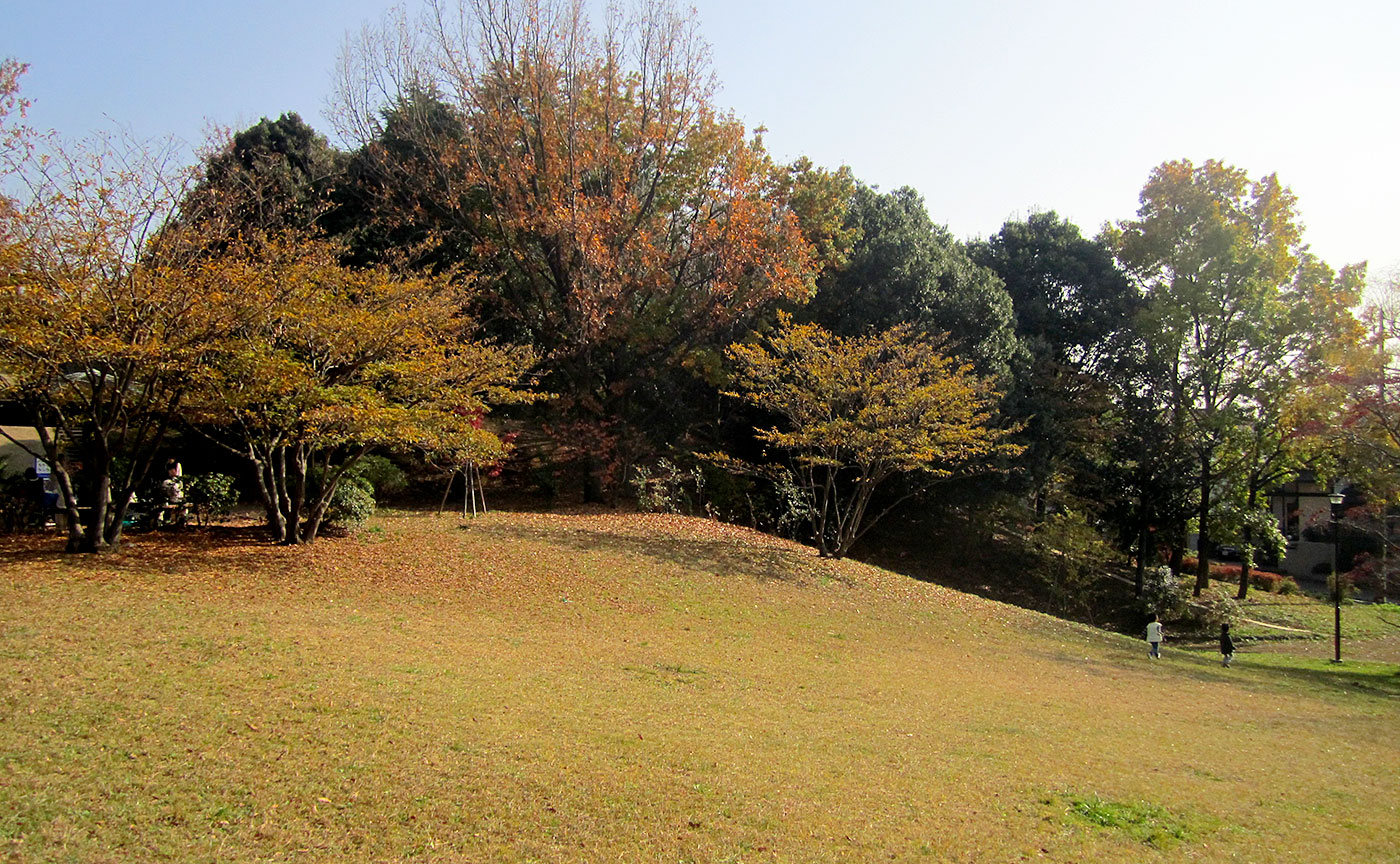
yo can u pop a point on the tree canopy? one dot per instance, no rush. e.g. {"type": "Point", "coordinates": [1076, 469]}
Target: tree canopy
{"type": "Point", "coordinates": [857, 411]}
{"type": "Point", "coordinates": [624, 221]}
{"type": "Point", "coordinates": [904, 269]}
{"type": "Point", "coordinates": [1235, 301]}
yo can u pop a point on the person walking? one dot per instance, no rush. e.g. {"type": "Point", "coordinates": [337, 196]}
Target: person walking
{"type": "Point", "coordinates": [1227, 646]}
{"type": "Point", "coordinates": [1154, 638]}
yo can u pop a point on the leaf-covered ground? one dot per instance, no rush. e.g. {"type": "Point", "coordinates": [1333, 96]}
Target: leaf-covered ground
{"type": "Point", "coordinates": [586, 687]}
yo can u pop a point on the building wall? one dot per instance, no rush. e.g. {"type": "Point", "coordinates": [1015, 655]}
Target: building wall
{"type": "Point", "coordinates": [15, 458]}
{"type": "Point", "coordinates": [1299, 506]}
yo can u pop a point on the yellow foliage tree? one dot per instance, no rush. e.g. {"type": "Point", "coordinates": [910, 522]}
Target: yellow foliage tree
{"type": "Point", "coordinates": [859, 411]}
{"type": "Point", "coordinates": [106, 322]}
{"type": "Point", "coordinates": [333, 362]}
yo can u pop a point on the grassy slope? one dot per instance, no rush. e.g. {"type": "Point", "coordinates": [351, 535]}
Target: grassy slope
{"type": "Point", "coordinates": [608, 688]}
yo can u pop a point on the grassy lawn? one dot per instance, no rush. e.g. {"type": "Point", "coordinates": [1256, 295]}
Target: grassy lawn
{"type": "Point", "coordinates": [529, 687]}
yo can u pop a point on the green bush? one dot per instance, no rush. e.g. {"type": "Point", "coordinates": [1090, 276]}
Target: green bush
{"type": "Point", "coordinates": [1287, 586]}
{"type": "Point", "coordinates": [352, 502]}
{"type": "Point", "coordinates": [210, 496]}
{"type": "Point", "coordinates": [1163, 594]}
{"type": "Point", "coordinates": [385, 477]}
{"type": "Point", "coordinates": [1213, 609]}
{"type": "Point", "coordinates": [666, 488]}
{"type": "Point", "coordinates": [1271, 582]}
{"type": "Point", "coordinates": [1069, 556]}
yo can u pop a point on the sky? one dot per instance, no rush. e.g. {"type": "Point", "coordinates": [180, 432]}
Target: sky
{"type": "Point", "coordinates": [991, 109]}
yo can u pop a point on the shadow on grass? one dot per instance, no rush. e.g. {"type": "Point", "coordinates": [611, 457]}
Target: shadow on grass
{"type": "Point", "coordinates": [174, 550]}
{"type": "Point", "coordinates": [1360, 677]}
{"type": "Point", "coordinates": [1374, 679]}
{"type": "Point", "coordinates": [721, 556]}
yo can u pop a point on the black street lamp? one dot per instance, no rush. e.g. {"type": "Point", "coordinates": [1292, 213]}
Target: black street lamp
{"type": "Point", "coordinates": [1336, 499]}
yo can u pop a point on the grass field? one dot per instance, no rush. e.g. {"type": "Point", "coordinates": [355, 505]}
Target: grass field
{"type": "Point", "coordinates": [530, 687]}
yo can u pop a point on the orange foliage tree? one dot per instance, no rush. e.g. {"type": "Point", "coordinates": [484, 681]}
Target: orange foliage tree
{"type": "Point", "coordinates": [624, 225]}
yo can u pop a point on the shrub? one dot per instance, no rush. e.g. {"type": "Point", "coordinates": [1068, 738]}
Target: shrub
{"type": "Point", "coordinates": [210, 495]}
{"type": "Point", "coordinates": [1287, 586]}
{"type": "Point", "coordinates": [1226, 572]}
{"type": "Point", "coordinates": [666, 488]}
{"type": "Point", "coordinates": [384, 477]}
{"type": "Point", "coordinates": [1163, 594]}
{"type": "Point", "coordinates": [1348, 587]}
{"type": "Point", "coordinates": [1263, 581]}
{"type": "Point", "coordinates": [1069, 556]}
{"type": "Point", "coordinates": [352, 503]}
{"type": "Point", "coordinates": [1215, 609]}
{"type": "Point", "coordinates": [728, 497]}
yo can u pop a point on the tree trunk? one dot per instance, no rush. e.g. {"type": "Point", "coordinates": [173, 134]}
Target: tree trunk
{"type": "Point", "coordinates": [1203, 542]}
{"type": "Point", "coordinates": [296, 493]}
{"type": "Point", "coordinates": [1383, 586]}
{"type": "Point", "coordinates": [1144, 538]}
{"type": "Point", "coordinates": [70, 506]}
{"type": "Point", "coordinates": [1244, 564]}
{"type": "Point", "coordinates": [267, 491]}
{"type": "Point", "coordinates": [1178, 549]}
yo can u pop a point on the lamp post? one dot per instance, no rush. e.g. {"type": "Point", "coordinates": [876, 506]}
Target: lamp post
{"type": "Point", "coordinates": [1336, 499]}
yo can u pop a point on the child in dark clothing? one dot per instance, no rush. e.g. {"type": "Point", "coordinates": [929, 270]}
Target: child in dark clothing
{"type": "Point", "coordinates": [1227, 645]}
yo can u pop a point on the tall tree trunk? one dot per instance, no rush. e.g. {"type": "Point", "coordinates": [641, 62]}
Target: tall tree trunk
{"type": "Point", "coordinates": [1244, 564]}
{"type": "Point", "coordinates": [1144, 538]}
{"type": "Point", "coordinates": [1203, 541]}
{"type": "Point", "coordinates": [1178, 548]}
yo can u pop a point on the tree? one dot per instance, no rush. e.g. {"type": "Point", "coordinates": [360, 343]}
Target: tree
{"type": "Point", "coordinates": [1147, 463]}
{"type": "Point", "coordinates": [402, 202]}
{"type": "Point", "coordinates": [275, 174]}
{"type": "Point", "coordinates": [1072, 306]}
{"type": "Point", "coordinates": [1368, 428]}
{"type": "Point", "coordinates": [903, 269]}
{"type": "Point", "coordinates": [857, 411]}
{"type": "Point", "coordinates": [622, 224]}
{"type": "Point", "coordinates": [1230, 292]}
{"type": "Point", "coordinates": [334, 362]}
{"type": "Point", "coordinates": [107, 319]}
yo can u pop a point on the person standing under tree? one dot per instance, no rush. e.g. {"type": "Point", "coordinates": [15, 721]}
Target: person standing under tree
{"type": "Point", "coordinates": [1154, 638]}
{"type": "Point", "coordinates": [1227, 645]}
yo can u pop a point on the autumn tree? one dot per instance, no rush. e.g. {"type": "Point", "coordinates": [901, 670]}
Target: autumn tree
{"type": "Point", "coordinates": [332, 363]}
{"type": "Point", "coordinates": [1367, 428]}
{"type": "Point", "coordinates": [107, 320]}
{"type": "Point", "coordinates": [1230, 293]}
{"type": "Point", "coordinates": [854, 412]}
{"type": "Point", "coordinates": [620, 221]}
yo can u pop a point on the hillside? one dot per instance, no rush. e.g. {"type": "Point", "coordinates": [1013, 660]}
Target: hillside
{"type": "Point", "coordinates": [532, 687]}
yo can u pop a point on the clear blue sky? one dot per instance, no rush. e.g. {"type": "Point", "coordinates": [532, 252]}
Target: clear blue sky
{"type": "Point", "coordinates": [990, 108]}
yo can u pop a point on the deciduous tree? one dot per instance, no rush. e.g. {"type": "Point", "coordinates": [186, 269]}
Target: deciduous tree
{"type": "Point", "coordinates": [333, 362]}
{"type": "Point", "coordinates": [1232, 302]}
{"type": "Point", "coordinates": [857, 411]}
{"type": "Point", "coordinates": [107, 319]}
{"type": "Point", "coordinates": [619, 219]}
